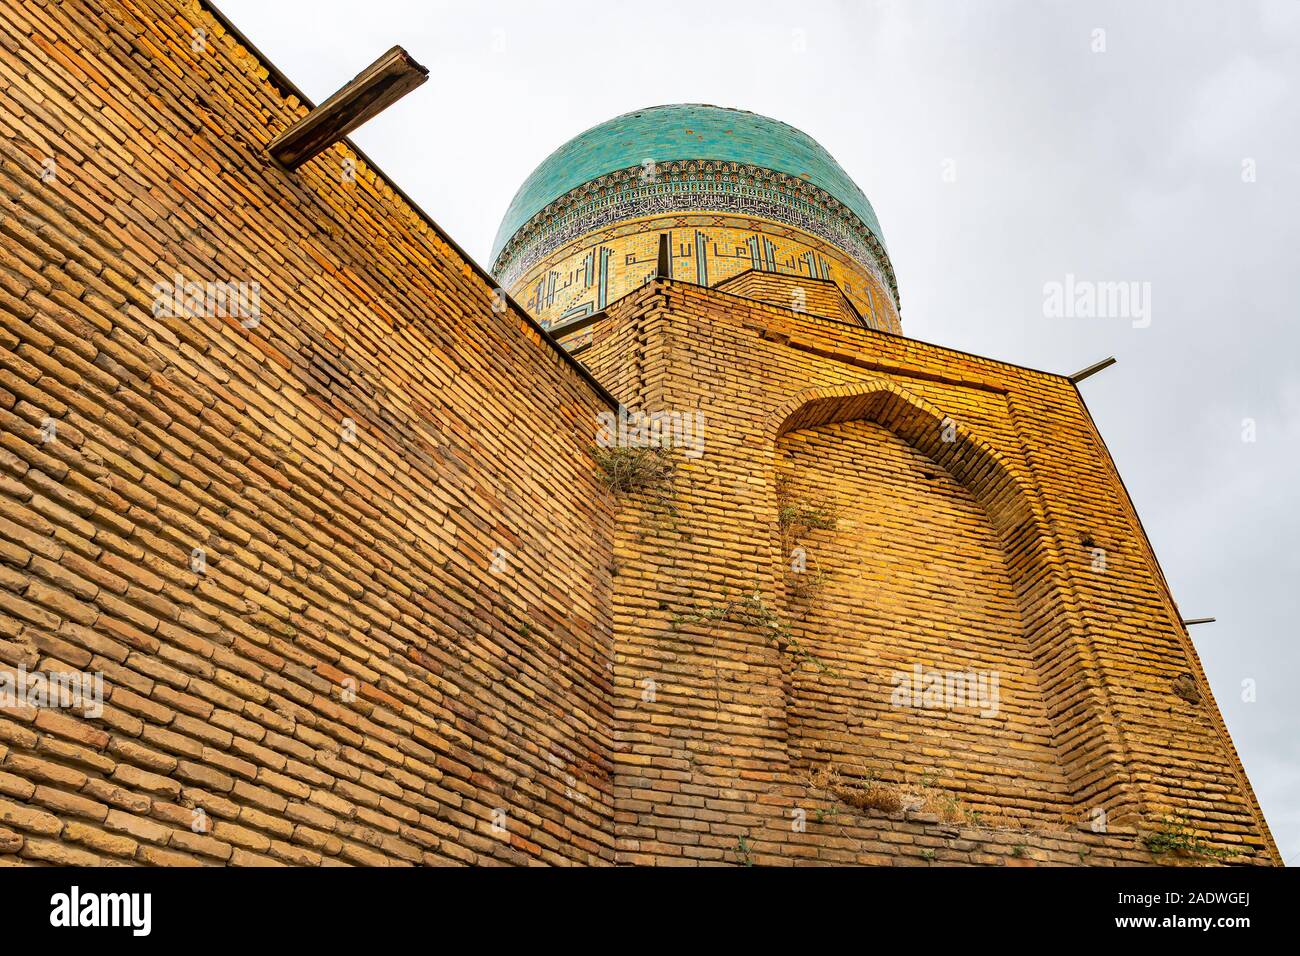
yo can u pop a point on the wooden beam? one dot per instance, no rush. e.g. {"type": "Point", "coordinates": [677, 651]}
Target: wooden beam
{"type": "Point", "coordinates": [1079, 376]}
{"type": "Point", "coordinates": [1198, 620]}
{"type": "Point", "coordinates": [373, 90]}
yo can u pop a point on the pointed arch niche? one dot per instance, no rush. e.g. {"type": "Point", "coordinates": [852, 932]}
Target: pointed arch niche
{"type": "Point", "coordinates": [930, 604]}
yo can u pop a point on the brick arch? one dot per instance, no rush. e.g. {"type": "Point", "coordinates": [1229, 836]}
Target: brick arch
{"type": "Point", "coordinates": [967, 457]}
{"type": "Point", "coordinates": [1076, 707]}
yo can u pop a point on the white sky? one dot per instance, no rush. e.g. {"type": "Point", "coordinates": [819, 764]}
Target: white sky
{"type": "Point", "coordinates": [1120, 165]}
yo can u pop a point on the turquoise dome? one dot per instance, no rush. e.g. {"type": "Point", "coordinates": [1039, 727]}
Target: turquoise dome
{"type": "Point", "coordinates": [683, 132]}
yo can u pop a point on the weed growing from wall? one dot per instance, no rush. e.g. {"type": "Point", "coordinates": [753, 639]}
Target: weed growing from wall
{"type": "Point", "coordinates": [633, 470]}
{"type": "Point", "coordinates": [1176, 837]}
{"type": "Point", "coordinates": [753, 613]}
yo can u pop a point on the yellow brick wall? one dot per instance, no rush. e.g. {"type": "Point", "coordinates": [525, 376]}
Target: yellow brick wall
{"type": "Point", "coordinates": [799, 295]}
{"type": "Point", "coordinates": [912, 574]}
{"type": "Point", "coordinates": [349, 681]}
{"type": "Point", "coordinates": [715, 768]}
{"type": "Point", "coordinates": [356, 675]}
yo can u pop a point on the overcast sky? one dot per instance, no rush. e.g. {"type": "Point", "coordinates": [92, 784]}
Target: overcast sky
{"type": "Point", "coordinates": [1002, 150]}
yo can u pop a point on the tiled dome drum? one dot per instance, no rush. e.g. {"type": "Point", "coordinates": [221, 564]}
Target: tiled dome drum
{"type": "Point", "coordinates": [733, 191]}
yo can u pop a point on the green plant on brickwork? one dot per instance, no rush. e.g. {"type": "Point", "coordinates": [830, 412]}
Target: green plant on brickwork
{"type": "Point", "coordinates": [825, 816]}
{"type": "Point", "coordinates": [1019, 850]}
{"type": "Point", "coordinates": [1176, 837]}
{"type": "Point", "coordinates": [630, 470]}
{"type": "Point", "coordinates": [750, 611]}
{"type": "Point", "coordinates": [796, 518]}
{"type": "Point", "coordinates": [805, 586]}
{"type": "Point", "coordinates": [646, 473]}
{"type": "Point", "coordinates": [802, 516]}
{"type": "Point", "coordinates": [797, 515]}
{"type": "Point", "coordinates": [927, 855]}
{"type": "Point", "coordinates": [743, 853]}
{"type": "Point", "coordinates": [951, 809]}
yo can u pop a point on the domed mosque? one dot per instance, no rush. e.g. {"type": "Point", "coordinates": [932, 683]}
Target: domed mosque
{"type": "Point", "coordinates": [728, 283]}
{"type": "Point", "coordinates": [725, 571]}
{"type": "Point", "coordinates": [723, 191]}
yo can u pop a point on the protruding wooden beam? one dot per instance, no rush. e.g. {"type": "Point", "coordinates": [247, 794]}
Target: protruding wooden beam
{"type": "Point", "coordinates": [1079, 376]}
{"type": "Point", "coordinates": [1198, 620]}
{"type": "Point", "coordinates": [374, 89]}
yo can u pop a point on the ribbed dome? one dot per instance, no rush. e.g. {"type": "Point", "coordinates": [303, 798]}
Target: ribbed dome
{"type": "Point", "coordinates": [669, 134]}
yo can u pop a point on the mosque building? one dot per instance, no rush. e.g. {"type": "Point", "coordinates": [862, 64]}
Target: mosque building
{"type": "Point", "coordinates": [657, 541]}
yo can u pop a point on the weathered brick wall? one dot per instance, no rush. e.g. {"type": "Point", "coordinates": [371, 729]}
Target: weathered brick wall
{"type": "Point", "coordinates": [912, 573]}
{"type": "Point", "coordinates": [714, 764]}
{"type": "Point", "coordinates": [358, 594]}
{"type": "Point", "coordinates": [358, 675]}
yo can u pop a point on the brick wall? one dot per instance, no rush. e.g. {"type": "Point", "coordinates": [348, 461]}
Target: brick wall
{"type": "Point", "coordinates": [973, 497]}
{"type": "Point", "coordinates": [911, 574]}
{"type": "Point", "coordinates": [358, 594]}
{"type": "Point", "coordinates": [814, 296]}
{"type": "Point", "coordinates": [357, 675]}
